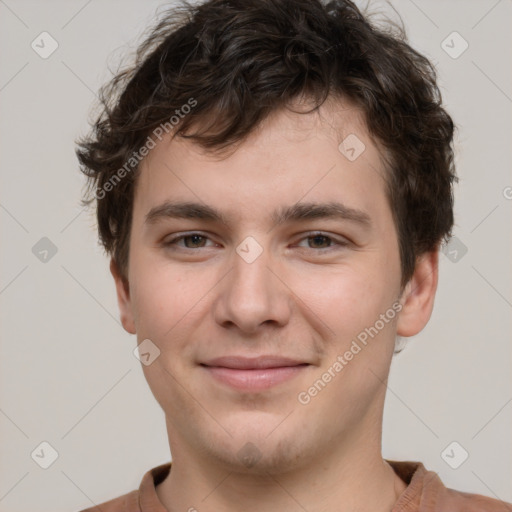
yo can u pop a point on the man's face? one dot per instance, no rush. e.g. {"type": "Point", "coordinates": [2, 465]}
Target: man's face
{"type": "Point", "coordinates": [302, 289]}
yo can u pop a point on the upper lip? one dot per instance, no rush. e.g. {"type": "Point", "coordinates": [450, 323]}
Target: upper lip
{"type": "Point", "coordinates": [252, 363]}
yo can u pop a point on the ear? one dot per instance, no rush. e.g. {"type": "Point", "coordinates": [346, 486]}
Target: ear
{"type": "Point", "coordinates": [418, 296]}
{"type": "Point", "coordinates": [123, 298]}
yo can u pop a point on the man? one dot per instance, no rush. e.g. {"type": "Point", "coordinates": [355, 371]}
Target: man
{"type": "Point", "coordinates": [273, 180]}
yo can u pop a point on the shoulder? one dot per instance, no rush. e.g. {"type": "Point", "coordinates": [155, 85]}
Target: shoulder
{"type": "Point", "coordinates": [453, 500]}
{"type": "Point", "coordinates": [146, 495]}
{"type": "Point", "coordinates": [426, 492]}
{"type": "Point", "coordinates": [126, 503]}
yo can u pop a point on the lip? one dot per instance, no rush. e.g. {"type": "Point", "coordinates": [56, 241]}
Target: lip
{"type": "Point", "coordinates": [253, 374]}
{"type": "Point", "coordinates": [253, 363]}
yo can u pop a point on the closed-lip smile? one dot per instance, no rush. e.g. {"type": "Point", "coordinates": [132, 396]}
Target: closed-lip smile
{"type": "Point", "coordinates": [253, 373]}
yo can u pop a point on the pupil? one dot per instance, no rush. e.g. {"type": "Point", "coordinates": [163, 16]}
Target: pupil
{"type": "Point", "coordinates": [319, 237]}
{"type": "Point", "coordinates": [196, 239]}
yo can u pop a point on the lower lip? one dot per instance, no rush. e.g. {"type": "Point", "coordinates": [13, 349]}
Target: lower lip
{"type": "Point", "coordinates": [254, 380]}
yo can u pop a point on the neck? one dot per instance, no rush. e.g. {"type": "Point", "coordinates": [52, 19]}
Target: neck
{"type": "Point", "coordinates": [342, 480]}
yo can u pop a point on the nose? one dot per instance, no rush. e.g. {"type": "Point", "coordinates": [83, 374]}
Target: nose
{"type": "Point", "coordinates": [253, 294]}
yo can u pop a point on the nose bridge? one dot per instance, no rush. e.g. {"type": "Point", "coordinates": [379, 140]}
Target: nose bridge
{"type": "Point", "coordinates": [251, 294]}
{"type": "Point", "coordinates": [250, 268]}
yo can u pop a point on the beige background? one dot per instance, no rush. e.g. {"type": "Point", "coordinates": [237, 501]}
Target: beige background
{"type": "Point", "coordinates": [68, 375]}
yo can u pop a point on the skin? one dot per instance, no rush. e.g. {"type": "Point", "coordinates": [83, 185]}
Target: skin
{"type": "Point", "coordinates": [294, 300]}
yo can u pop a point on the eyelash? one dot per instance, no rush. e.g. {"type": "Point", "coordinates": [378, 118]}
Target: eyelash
{"type": "Point", "coordinates": [334, 241]}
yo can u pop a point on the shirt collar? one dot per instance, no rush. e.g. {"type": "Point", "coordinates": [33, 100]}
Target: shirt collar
{"type": "Point", "coordinates": [414, 474]}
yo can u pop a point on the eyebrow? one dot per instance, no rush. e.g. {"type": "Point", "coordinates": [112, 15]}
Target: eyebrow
{"type": "Point", "coordinates": [298, 212]}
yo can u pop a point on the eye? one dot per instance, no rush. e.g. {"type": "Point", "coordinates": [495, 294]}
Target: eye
{"type": "Point", "coordinates": [190, 240]}
{"type": "Point", "coordinates": [322, 241]}
{"type": "Point", "coordinates": [318, 241]}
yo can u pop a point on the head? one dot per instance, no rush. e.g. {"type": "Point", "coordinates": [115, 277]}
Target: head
{"type": "Point", "coordinates": [262, 118]}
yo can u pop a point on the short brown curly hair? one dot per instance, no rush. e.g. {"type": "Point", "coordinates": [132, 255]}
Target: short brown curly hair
{"type": "Point", "coordinates": [237, 61]}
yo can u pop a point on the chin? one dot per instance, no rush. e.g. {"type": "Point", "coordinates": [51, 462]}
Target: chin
{"type": "Point", "coordinates": [266, 448]}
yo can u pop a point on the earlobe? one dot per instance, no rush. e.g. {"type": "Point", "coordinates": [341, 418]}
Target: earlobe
{"type": "Point", "coordinates": [418, 297]}
{"type": "Point", "coordinates": [123, 298]}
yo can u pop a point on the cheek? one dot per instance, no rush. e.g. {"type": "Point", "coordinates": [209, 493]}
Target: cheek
{"type": "Point", "coordinates": [170, 302]}
{"type": "Point", "coordinates": [349, 298]}
{"type": "Point", "coordinates": [159, 297]}
{"type": "Point", "coordinates": [165, 311]}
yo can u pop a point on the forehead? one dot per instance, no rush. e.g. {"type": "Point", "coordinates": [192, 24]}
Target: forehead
{"type": "Point", "coordinates": [325, 155]}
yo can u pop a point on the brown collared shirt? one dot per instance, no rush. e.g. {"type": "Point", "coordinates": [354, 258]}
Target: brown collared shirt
{"type": "Point", "coordinates": [424, 493]}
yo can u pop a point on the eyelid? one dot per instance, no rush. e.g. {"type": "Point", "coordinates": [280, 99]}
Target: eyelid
{"type": "Point", "coordinates": [337, 240]}
{"type": "Point", "coordinates": [177, 237]}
